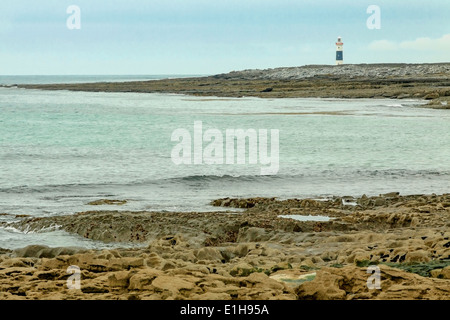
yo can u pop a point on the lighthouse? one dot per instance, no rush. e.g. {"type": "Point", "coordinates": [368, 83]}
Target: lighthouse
{"type": "Point", "coordinates": [339, 52]}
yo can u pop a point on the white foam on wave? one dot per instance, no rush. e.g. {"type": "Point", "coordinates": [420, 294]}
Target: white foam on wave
{"type": "Point", "coordinates": [52, 227]}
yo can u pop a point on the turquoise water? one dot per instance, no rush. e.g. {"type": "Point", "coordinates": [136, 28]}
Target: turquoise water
{"type": "Point", "coordinates": [59, 150]}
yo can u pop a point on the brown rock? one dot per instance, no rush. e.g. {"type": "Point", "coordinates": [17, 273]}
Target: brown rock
{"type": "Point", "coordinates": [120, 279]}
{"type": "Point", "coordinates": [325, 286]}
{"type": "Point", "coordinates": [172, 284]}
{"type": "Point", "coordinates": [259, 279]}
{"type": "Point", "coordinates": [252, 235]}
{"type": "Point", "coordinates": [351, 283]}
{"type": "Point", "coordinates": [17, 262]}
{"type": "Point", "coordinates": [143, 279]}
{"type": "Point", "coordinates": [431, 96]}
{"type": "Point", "coordinates": [445, 273]}
{"type": "Point", "coordinates": [153, 260]}
{"type": "Point", "coordinates": [211, 296]}
{"type": "Point", "coordinates": [107, 202]}
{"type": "Point", "coordinates": [125, 263]}
{"type": "Point", "coordinates": [208, 253]}
{"type": "Point", "coordinates": [418, 256]}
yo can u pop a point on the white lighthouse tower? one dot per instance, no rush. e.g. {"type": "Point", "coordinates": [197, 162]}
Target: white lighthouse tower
{"type": "Point", "coordinates": [339, 52]}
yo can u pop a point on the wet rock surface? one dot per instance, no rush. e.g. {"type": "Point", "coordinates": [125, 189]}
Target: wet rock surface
{"type": "Point", "coordinates": [253, 254]}
{"type": "Point", "coordinates": [107, 202]}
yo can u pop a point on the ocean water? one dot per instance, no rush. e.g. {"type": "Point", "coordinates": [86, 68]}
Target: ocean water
{"type": "Point", "coordinates": [12, 80]}
{"type": "Point", "coordinates": [60, 150]}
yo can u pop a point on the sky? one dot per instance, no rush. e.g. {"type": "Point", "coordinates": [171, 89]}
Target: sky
{"type": "Point", "coordinates": [125, 37]}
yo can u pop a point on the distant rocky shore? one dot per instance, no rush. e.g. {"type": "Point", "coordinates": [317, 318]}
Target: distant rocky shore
{"type": "Point", "coordinates": [395, 81]}
{"type": "Point", "coordinates": [350, 71]}
{"type": "Point", "coordinates": [250, 254]}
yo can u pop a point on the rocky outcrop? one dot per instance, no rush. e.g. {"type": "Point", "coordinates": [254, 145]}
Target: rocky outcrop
{"type": "Point", "coordinates": [350, 283]}
{"type": "Point", "coordinates": [351, 71]}
{"type": "Point", "coordinates": [253, 254]}
{"type": "Point", "coordinates": [393, 81]}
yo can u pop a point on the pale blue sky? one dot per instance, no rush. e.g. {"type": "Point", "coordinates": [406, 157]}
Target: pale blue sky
{"type": "Point", "coordinates": [214, 36]}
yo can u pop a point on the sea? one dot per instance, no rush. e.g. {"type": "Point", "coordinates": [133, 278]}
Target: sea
{"type": "Point", "coordinates": [60, 150]}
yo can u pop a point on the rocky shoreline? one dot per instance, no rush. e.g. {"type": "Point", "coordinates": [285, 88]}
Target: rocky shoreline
{"type": "Point", "coordinates": [250, 254]}
{"type": "Point", "coordinates": [250, 251]}
{"type": "Point", "coordinates": [394, 81]}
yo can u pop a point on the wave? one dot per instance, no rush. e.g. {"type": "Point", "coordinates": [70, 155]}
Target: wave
{"type": "Point", "coordinates": [28, 230]}
{"type": "Point", "coordinates": [224, 179]}
{"type": "Point", "coordinates": [231, 178]}
{"type": "Point", "coordinates": [322, 175]}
